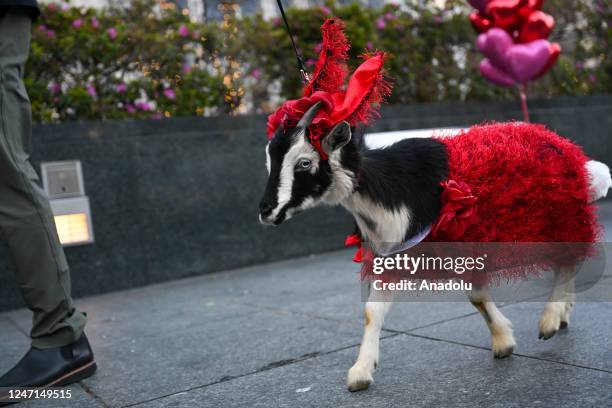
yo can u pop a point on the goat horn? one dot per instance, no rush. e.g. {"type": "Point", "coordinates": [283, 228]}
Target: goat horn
{"type": "Point", "coordinates": [309, 115]}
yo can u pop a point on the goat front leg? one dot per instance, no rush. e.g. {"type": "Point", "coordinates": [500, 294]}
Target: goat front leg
{"type": "Point", "coordinates": [502, 338]}
{"type": "Point", "coordinates": [557, 310]}
{"type": "Point", "coordinates": [360, 375]}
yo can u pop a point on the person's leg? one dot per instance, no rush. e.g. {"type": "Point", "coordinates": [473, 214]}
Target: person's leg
{"type": "Point", "coordinates": [60, 352]}
{"type": "Point", "coordinates": [26, 220]}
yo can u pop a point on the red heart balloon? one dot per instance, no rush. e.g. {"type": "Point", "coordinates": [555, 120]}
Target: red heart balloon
{"type": "Point", "coordinates": [480, 5]}
{"type": "Point", "coordinates": [554, 50]}
{"type": "Point", "coordinates": [479, 22]}
{"type": "Point", "coordinates": [537, 26]}
{"type": "Point", "coordinates": [505, 13]}
{"type": "Point", "coordinates": [532, 5]}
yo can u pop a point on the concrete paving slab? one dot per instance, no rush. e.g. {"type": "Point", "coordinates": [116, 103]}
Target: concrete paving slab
{"type": "Point", "coordinates": [326, 286]}
{"type": "Point", "coordinates": [414, 372]}
{"type": "Point", "coordinates": [329, 287]}
{"type": "Point", "coordinates": [347, 306]}
{"type": "Point", "coordinates": [173, 361]}
{"type": "Point", "coordinates": [341, 299]}
{"type": "Point", "coordinates": [138, 313]}
{"type": "Point", "coordinates": [13, 345]}
{"type": "Point", "coordinates": [583, 343]}
{"type": "Point", "coordinates": [310, 274]}
{"type": "Point", "coordinates": [306, 275]}
{"type": "Point", "coordinates": [600, 291]}
{"type": "Point", "coordinates": [22, 318]}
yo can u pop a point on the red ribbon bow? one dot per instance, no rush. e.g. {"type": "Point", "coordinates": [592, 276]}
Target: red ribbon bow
{"type": "Point", "coordinates": [355, 240]}
{"type": "Point", "coordinates": [457, 213]}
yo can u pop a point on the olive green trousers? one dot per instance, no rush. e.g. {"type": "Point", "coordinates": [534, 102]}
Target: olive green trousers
{"type": "Point", "coordinates": [26, 221]}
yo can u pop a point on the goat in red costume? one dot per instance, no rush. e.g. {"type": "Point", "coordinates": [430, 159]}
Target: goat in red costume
{"type": "Point", "coordinates": [509, 182]}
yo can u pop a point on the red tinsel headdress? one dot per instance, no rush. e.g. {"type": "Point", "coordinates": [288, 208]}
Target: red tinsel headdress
{"type": "Point", "coordinates": [356, 104]}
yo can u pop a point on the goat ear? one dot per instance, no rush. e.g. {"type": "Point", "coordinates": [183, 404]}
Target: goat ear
{"type": "Point", "coordinates": [337, 138]}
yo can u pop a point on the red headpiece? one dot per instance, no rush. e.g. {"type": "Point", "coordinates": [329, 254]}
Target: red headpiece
{"type": "Point", "coordinates": [358, 103]}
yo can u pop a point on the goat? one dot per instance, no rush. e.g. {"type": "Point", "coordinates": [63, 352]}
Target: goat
{"type": "Point", "coordinates": [394, 192]}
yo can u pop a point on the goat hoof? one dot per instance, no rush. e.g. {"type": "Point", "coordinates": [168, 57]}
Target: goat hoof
{"type": "Point", "coordinates": [547, 335]}
{"type": "Point", "coordinates": [563, 325]}
{"type": "Point", "coordinates": [503, 345]}
{"type": "Point", "coordinates": [359, 386]}
{"type": "Point", "coordinates": [504, 353]}
{"type": "Point", "coordinates": [549, 324]}
{"type": "Point", "coordinates": [359, 379]}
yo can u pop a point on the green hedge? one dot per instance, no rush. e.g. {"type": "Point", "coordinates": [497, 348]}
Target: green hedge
{"type": "Point", "coordinates": [424, 42]}
{"type": "Point", "coordinates": [119, 63]}
{"type": "Point", "coordinates": [140, 61]}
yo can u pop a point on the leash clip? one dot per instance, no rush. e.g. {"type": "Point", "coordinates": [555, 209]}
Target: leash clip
{"type": "Point", "coordinates": [305, 76]}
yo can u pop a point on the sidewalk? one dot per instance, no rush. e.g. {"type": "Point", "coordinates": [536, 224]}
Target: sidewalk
{"type": "Point", "coordinates": [285, 334]}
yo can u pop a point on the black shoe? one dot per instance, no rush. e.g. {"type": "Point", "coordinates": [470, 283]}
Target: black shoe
{"type": "Point", "coordinates": [53, 367]}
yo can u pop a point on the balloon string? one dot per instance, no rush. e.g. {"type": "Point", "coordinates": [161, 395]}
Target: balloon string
{"type": "Point", "coordinates": [523, 93]}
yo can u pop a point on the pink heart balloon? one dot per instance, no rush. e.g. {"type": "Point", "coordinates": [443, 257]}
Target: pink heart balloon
{"type": "Point", "coordinates": [480, 5]}
{"type": "Point", "coordinates": [494, 44]}
{"type": "Point", "coordinates": [481, 41]}
{"type": "Point", "coordinates": [526, 61]}
{"type": "Point", "coordinates": [520, 62]}
{"type": "Point", "coordinates": [495, 75]}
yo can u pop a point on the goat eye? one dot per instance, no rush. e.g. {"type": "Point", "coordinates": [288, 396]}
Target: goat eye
{"type": "Point", "coordinates": [303, 164]}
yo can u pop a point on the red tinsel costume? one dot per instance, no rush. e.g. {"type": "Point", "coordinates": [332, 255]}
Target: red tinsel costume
{"type": "Point", "coordinates": [530, 185]}
{"type": "Point", "coordinates": [509, 182]}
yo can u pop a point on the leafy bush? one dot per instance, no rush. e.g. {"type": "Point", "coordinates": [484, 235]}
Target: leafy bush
{"type": "Point", "coordinates": [142, 61]}
{"type": "Point", "coordinates": [433, 55]}
{"type": "Point", "coordinates": [132, 62]}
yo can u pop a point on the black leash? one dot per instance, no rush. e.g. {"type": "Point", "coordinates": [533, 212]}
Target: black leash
{"type": "Point", "coordinates": [300, 63]}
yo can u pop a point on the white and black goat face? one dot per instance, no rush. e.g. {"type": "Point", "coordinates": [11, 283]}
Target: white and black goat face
{"type": "Point", "coordinates": [298, 178]}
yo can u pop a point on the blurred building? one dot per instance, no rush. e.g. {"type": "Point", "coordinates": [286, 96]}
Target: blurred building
{"type": "Point", "coordinates": [213, 9]}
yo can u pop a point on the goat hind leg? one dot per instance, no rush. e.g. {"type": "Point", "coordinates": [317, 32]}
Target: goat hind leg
{"type": "Point", "coordinates": [557, 310]}
{"type": "Point", "coordinates": [360, 375]}
{"type": "Point", "coordinates": [502, 338]}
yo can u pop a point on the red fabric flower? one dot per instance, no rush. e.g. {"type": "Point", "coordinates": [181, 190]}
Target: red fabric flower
{"type": "Point", "coordinates": [288, 115]}
{"type": "Point", "coordinates": [457, 213]}
{"type": "Point", "coordinates": [291, 111]}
